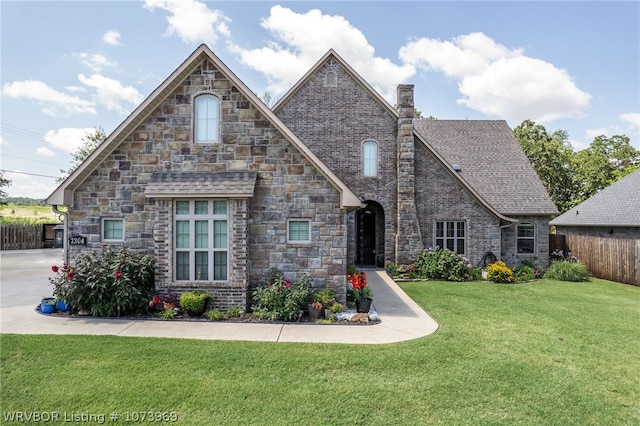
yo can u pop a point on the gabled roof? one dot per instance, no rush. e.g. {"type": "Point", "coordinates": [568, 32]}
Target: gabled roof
{"type": "Point", "coordinates": [616, 205]}
{"type": "Point", "coordinates": [433, 148]}
{"type": "Point", "coordinates": [331, 54]}
{"type": "Point", "coordinates": [63, 195]}
{"type": "Point", "coordinates": [491, 161]}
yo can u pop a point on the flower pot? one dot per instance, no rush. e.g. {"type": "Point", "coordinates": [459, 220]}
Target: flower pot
{"type": "Point", "coordinates": [48, 305]}
{"type": "Point", "coordinates": [314, 313]}
{"type": "Point", "coordinates": [363, 305]}
{"type": "Point", "coordinates": [62, 306]}
{"type": "Point", "coordinates": [168, 306]}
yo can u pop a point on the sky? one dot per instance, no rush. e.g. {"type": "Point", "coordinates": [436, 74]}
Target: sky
{"type": "Point", "coordinates": [70, 67]}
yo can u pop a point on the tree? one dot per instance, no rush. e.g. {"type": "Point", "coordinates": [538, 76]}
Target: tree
{"type": "Point", "coordinates": [3, 182]}
{"type": "Point", "coordinates": [551, 157]}
{"type": "Point", "coordinates": [604, 162]}
{"type": "Point", "coordinates": [90, 142]}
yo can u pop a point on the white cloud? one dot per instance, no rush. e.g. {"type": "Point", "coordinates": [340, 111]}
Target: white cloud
{"type": "Point", "coordinates": [632, 121]}
{"type": "Point", "coordinates": [45, 152]}
{"type": "Point", "coordinates": [111, 93]}
{"type": "Point", "coordinates": [498, 81]}
{"type": "Point", "coordinates": [192, 20]}
{"type": "Point", "coordinates": [67, 139]}
{"type": "Point", "coordinates": [302, 39]}
{"type": "Point", "coordinates": [111, 37]}
{"type": "Point", "coordinates": [95, 61]}
{"type": "Point", "coordinates": [23, 185]}
{"type": "Point", "coordinates": [54, 102]}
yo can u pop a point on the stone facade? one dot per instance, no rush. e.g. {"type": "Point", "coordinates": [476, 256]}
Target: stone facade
{"type": "Point", "coordinates": [288, 186]}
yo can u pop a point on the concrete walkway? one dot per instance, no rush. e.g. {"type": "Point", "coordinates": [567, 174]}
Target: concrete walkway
{"type": "Point", "coordinates": [24, 281]}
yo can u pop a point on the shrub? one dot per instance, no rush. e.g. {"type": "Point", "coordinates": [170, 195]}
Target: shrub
{"type": "Point", "coordinates": [326, 297]}
{"type": "Point", "coordinates": [234, 312]}
{"type": "Point", "coordinates": [499, 272]}
{"type": "Point", "coordinates": [194, 302]}
{"type": "Point", "coordinates": [567, 270]}
{"type": "Point", "coordinates": [281, 300]}
{"type": "Point", "coordinates": [392, 269]}
{"type": "Point", "coordinates": [168, 314]}
{"type": "Point", "coordinates": [443, 264]}
{"type": "Point", "coordinates": [215, 315]}
{"type": "Point", "coordinates": [106, 283]}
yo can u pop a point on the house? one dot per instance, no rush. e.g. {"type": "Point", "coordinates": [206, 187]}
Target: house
{"type": "Point", "coordinates": [613, 212]}
{"type": "Point", "coordinates": [603, 231]}
{"type": "Point", "coordinates": [220, 188]}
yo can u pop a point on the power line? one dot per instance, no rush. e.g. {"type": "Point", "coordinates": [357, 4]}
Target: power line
{"type": "Point", "coordinates": [30, 174]}
{"type": "Point", "coordinates": [30, 159]}
{"type": "Point", "coordinates": [25, 133]}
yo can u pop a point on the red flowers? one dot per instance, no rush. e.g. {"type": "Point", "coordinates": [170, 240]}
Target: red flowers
{"type": "Point", "coordinates": [54, 268]}
{"type": "Point", "coordinates": [118, 274]}
{"type": "Point", "coordinates": [287, 284]}
{"type": "Point", "coordinates": [156, 300]}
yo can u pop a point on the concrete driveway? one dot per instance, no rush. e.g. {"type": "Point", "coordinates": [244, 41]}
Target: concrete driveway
{"type": "Point", "coordinates": [25, 280]}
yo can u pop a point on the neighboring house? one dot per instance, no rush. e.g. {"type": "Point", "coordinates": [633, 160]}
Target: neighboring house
{"type": "Point", "coordinates": [603, 231]}
{"type": "Point", "coordinates": [220, 188]}
{"type": "Point", "coordinates": [613, 212]}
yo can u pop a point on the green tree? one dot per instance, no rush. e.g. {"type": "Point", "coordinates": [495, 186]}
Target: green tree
{"type": "Point", "coordinates": [551, 157]}
{"type": "Point", "coordinates": [90, 142]}
{"type": "Point", "coordinates": [604, 162]}
{"type": "Point", "coordinates": [3, 182]}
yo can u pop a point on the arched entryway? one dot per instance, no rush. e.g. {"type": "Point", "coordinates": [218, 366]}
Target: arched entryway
{"type": "Point", "coordinates": [370, 234]}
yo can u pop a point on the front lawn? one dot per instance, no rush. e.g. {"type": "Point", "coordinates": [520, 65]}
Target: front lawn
{"type": "Point", "coordinates": [547, 352]}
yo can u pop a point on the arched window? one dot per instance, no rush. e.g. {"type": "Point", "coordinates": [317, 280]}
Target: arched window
{"type": "Point", "coordinates": [330, 79]}
{"type": "Point", "coordinates": [207, 113]}
{"type": "Point", "coordinates": [526, 238]}
{"type": "Point", "coordinates": [370, 158]}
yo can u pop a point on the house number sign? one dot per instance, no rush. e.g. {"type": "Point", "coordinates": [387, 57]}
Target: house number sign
{"type": "Point", "coordinates": [77, 240]}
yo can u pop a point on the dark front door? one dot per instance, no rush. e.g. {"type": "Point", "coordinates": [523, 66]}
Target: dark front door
{"type": "Point", "coordinates": [366, 237]}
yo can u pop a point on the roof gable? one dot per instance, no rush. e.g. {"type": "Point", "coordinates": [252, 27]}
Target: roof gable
{"type": "Point", "coordinates": [616, 205]}
{"type": "Point", "coordinates": [63, 195]}
{"type": "Point", "coordinates": [491, 163]}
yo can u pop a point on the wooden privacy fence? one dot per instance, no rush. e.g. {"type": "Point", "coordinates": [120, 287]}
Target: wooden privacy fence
{"type": "Point", "coordinates": [614, 259]}
{"type": "Point", "coordinates": [23, 237]}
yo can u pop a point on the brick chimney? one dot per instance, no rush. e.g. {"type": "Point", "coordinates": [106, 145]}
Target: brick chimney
{"type": "Point", "coordinates": [408, 237]}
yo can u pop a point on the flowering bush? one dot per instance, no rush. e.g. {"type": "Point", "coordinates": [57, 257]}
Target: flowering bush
{"type": "Point", "coordinates": [281, 300]}
{"type": "Point", "coordinates": [106, 283]}
{"type": "Point", "coordinates": [358, 281]}
{"type": "Point", "coordinates": [499, 272]}
{"type": "Point", "coordinates": [443, 264]}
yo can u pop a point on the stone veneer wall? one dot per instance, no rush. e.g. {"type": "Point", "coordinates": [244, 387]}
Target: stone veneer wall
{"type": "Point", "coordinates": [334, 120]}
{"type": "Point", "coordinates": [287, 187]}
{"type": "Point", "coordinates": [440, 197]}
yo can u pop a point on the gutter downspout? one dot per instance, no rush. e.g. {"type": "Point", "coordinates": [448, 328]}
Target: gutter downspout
{"type": "Point", "coordinates": [65, 244]}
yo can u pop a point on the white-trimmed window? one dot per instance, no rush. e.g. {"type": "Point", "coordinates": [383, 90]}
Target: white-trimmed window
{"type": "Point", "coordinates": [526, 238]}
{"type": "Point", "coordinates": [201, 240]}
{"type": "Point", "coordinates": [298, 230]}
{"type": "Point", "coordinates": [451, 235]}
{"type": "Point", "coordinates": [112, 229]}
{"type": "Point", "coordinates": [206, 122]}
{"type": "Point", "coordinates": [369, 158]}
{"type": "Point", "coordinates": [330, 79]}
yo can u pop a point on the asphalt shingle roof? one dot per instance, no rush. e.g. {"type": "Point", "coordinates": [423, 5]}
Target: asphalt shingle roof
{"type": "Point", "coordinates": [491, 161]}
{"type": "Point", "coordinates": [616, 205]}
{"type": "Point", "coordinates": [204, 184]}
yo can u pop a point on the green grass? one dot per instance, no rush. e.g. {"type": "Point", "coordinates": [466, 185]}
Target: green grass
{"type": "Point", "coordinates": [542, 353]}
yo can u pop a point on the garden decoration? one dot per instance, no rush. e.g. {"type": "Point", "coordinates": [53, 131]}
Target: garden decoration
{"type": "Point", "coordinates": [361, 292]}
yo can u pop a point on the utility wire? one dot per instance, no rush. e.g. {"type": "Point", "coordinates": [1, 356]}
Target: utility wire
{"type": "Point", "coordinates": [30, 174]}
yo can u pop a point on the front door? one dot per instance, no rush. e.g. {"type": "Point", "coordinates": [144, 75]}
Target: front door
{"type": "Point", "coordinates": [366, 236]}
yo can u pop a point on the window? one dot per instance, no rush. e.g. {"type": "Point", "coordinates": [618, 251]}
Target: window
{"type": "Point", "coordinates": [330, 79]}
{"type": "Point", "coordinates": [370, 158]}
{"type": "Point", "coordinates": [201, 240]}
{"type": "Point", "coordinates": [451, 235]}
{"type": "Point", "coordinates": [206, 118]}
{"type": "Point", "coordinates": [112, 229]}
{"type": "Point", "coordinates": [526, 238]}
{"type": "Point", "coordinates": [298, 231]}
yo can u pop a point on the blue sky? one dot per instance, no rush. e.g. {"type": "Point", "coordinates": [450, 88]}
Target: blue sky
{"type": "Point", "coordinates": [68, 67]}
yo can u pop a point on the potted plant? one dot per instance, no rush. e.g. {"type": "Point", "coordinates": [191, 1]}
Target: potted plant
{"type": "Point", "coordinates": [170, 299]}
{"type": "Point", "coordinates": [48, 305]}
{"type": "Point", "coordinates": [194, 303]}
{"type": "Point", "coordinates": [315, 308]}
{"type": "Point", "coordinates": [361, 292]}
{"type": "Point", "coordinates": [326, 297]}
